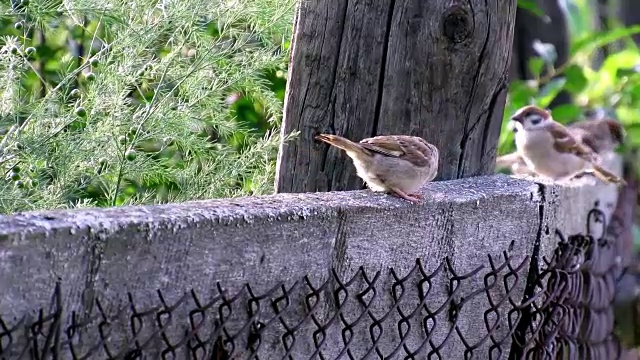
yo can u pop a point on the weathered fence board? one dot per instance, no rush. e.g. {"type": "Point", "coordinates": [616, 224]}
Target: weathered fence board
{"type": "Point", "coordinates": [103, 254]}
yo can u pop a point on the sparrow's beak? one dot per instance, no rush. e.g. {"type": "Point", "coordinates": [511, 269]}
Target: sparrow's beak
{"type": "Point", "coordinates": [517, 118]}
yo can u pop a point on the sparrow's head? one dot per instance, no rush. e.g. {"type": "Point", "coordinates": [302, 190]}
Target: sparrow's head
{"type": "Point", "coordinates": [529, 117]}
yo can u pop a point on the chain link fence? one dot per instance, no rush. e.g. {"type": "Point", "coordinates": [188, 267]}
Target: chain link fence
{"type": "Point", "coordinates": [509, 308]}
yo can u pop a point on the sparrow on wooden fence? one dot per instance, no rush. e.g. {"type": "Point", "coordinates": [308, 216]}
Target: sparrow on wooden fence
{"type": "Point", "coordinates": [601, 134]}
{"type": "Point", "coordinates": [554, 151]}
{"type": "Point", "coordinates": [396, 164]}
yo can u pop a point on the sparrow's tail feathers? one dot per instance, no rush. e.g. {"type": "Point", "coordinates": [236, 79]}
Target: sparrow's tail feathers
{"type": "Point", "coordinates": [341, 143]}
{"type": "Point", "coordinates": [607, 176]}
{"type": "Point", "coordinates": [616, 129]}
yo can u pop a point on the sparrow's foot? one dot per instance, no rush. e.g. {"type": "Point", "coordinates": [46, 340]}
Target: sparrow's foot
{"type": "Point", "coordinates": [414, 198]}
{"type": "Point", "coordinates": [417, 196]}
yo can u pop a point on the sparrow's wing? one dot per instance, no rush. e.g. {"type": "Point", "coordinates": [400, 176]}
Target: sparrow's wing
{"type": "Point", "coordinates": [565, 142]}
{"type": "Point", "coordinates": [597, 142]}
{"type": "Point", "coordinates": [411, 148]}
{"type": "Point", "coordinates": [604, 133]}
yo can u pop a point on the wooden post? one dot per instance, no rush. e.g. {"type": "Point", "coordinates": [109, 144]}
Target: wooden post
{"type": "Point", "coordinates": [437, 69]}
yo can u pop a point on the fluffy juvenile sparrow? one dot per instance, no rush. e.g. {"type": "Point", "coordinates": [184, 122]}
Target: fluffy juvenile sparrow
{"type": "Point", "coordinates": [602, 134]}
{"type": "Point", "coordinates": [396, 164]}
{"type": "Point", "coordinates": [551, 150]}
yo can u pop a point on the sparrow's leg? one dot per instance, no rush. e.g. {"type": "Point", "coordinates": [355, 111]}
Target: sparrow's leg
{"type": "Point", "coordinates": [417, 196]}
{"type": "Point", "coordinates": [413, 198]}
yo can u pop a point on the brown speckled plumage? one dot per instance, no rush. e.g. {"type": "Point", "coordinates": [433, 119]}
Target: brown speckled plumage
{"type": "Point", "coordinates": [398, 164]}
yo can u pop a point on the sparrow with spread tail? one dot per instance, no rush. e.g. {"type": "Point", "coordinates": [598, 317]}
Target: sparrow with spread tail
{"type": "Point", "coordinates": [554, 151]}
{"type": "Point", "coordinates": [395, 164]}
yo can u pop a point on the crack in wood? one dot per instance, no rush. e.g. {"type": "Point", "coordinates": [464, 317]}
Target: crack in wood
{"type": "Point", "coordinates": [383, 66]}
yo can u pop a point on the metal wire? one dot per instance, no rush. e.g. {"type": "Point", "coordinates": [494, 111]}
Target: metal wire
{"type": "Point", "coordinates": [563, 310]}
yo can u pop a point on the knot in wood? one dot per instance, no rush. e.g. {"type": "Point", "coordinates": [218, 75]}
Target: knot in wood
{"type": "Point", "coordinates": [457, 25]}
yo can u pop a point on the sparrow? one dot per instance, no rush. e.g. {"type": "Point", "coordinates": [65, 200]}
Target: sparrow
{"type": "Point", "coordinates": [394, 164]}
{"type": "Point", "coordinates": [554, 151]}
{"type": "Point", "coordinates": [602, 134]}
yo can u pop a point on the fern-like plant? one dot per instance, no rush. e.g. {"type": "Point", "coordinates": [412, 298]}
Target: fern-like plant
{"type": "Point", "coordinates": [107, 103]}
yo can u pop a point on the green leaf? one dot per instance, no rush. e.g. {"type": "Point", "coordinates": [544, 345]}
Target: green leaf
{"type": "Point", "coordinates": [535, 66]}
{"type": "Point", "coordinates": [549, 91]}
{"type": "Point", "coordinates": [633, 92]}
{"type": "Point", "coordinates": [625, 72]}
{"type": "Point", "coordinates": [626, 59]}
{"type": "Point", "coordinates": [603, 38]}
{"type": "Point", "coordinates": [531, 6]}
{"type": "Point", "coordinates": [566, 113]}
{"type": "Point", "coordinates": [576, 81]}
{"type": "Point", "coordinates": [633, 135]}
{"type": "Point", "coordinates": [580, 17]}
{"type": "Point", "coordinates": [520, 94]}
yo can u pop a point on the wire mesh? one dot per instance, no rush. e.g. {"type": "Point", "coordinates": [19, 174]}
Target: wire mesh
{"type": "Point", "coordinates": [505, 308]}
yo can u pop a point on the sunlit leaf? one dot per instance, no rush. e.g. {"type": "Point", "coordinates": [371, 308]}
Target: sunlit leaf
{"type": "Point", "coordinates": [598, 84]}
{"type": "Point", "coordinates": [625, 72]}
{"type": "Point", "coordinates": [603, 38]}
{"type": "Point", "coordinates": [633, 135]}
{"type": "Point", "coordinates": [633, 92]}
{"type": "Point", "coordinates": [576, 81]}
{"type": "Point", "coordinates": [549, 91]}
{"type": "Point", "coordinates": [535, 66]}
{"type": "Point", "coordinates": [520, 94]}
{"type": "Point", "coordinates": [580, 17]}
{"type": "Point", "coordinates": [628, 115]}
{"type": "Point", "coordinates": [566, 113]}
{"type": "Point", "coordinates": [626, 59]}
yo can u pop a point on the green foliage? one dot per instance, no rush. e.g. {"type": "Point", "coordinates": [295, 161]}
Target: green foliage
{"type": "Point", "coordinates": [107, 103]}
{"type": "Point", "coordinates": [615, 85]}
{"type": "Point", "coordinates": [530, 5]}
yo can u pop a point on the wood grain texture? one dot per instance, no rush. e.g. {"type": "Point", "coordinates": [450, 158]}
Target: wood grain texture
{"type": "Point", "coordinates": [359, 68]}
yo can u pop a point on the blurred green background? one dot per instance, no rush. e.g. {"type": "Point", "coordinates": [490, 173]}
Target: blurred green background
{"type": "Point", "coordinates": [185, 101]}
{"type": "Point", "coordinates": [599, 69]}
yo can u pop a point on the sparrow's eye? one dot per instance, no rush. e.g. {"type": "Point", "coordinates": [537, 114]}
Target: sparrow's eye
{"type": "Point", "coordinates": [535, 120]}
